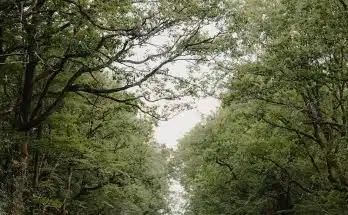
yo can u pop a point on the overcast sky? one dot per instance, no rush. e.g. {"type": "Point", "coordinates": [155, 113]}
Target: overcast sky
{"type": "Point", "coordinates": [170, 131]}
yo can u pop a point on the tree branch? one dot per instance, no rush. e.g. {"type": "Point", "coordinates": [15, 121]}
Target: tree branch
{"type": "Point", "coordinates": [222, 163]}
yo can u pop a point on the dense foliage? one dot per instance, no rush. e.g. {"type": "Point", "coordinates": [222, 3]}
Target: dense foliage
{"type": "Point", "coordinates": [94, 158]}
{"type": "Point", "coordinates": [82, 83]}
{"type": "Point", "coordinates": [78, 82]}
{"type": "Point", "coordinates": [278, 144]}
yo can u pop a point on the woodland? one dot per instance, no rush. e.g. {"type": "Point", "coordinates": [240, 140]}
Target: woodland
{"type": "Point", "coordinates": [84, 83]}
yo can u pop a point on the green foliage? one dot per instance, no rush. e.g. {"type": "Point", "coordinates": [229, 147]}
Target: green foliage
{"type": "Point", "coordinates": [47, 202]}
{"type": "Point", "coordinates": [278, 143]}
{"type": "Point", "coordinates": [109, 153]}
{"type": "Point", "coordinates": [78, 81]}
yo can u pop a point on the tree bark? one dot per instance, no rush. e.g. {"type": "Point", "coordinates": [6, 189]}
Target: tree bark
{"type": "Point", "coordinates": [18, 176]}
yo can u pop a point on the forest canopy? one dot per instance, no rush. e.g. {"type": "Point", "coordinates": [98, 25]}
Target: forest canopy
{"type": "Point", "coordinates": [278, 143]}
{"type": "Point", "coordinates": [80, 82]}
{"type": "Point", "coordinates": [84, 83]}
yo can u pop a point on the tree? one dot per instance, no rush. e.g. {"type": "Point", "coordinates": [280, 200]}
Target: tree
{"type": "Point", "coordinates": [308, 81]}
{"type": "Point", "coordinates": [49, 47]}
{"type": "Point", "coordinates": [98, 163]}
{"type": "Point", "coordinates": [278, 144]}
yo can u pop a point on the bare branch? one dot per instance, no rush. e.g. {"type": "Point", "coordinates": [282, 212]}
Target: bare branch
{"type": "Point", "coordinates": [136, 106]}
{"type": "Point", "coordinates": [88, 89]}
{"type": "Point", "coordinates": [100, 26]}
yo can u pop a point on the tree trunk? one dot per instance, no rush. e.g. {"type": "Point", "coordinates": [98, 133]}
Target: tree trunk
{"type": "Point", "coordinates": [18, 177]}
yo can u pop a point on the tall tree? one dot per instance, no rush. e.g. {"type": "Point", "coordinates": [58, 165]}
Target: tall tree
{"type": "Point", "coordinates": [280, 139]}
{"type": "Point", "coordinates": [48, 47]}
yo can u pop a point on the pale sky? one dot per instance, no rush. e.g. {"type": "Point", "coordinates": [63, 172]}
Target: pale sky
{"type": "Point", "coordinates": [168, 132]}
